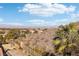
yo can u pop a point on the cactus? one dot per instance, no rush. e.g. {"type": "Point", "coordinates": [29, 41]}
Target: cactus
{"type": "Point", "coordinates": [68, 39]}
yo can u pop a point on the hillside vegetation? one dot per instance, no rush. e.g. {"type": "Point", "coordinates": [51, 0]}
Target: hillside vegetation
{"type": "Point", "coordinates": [63, 40]}
{"type": "Point", "coordinates": [66, 41]}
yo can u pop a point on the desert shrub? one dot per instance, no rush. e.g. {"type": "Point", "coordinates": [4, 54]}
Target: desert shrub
{"type": "Point", "coordinates": [67, 39]}
{"type": "Point", "coordinates": [38, 50]}
{"type": "Point", "coordinates": [27, 32]}
{"type": "Point", "coordinates": [22, 34]}
{"type": "Point", "coordinates": [1, 38]}
{"type": "Point", "coordinates": [12, 34]}
{"type": "Point", "coordinates": [36, 31]}
{"type": "Point", "coordinates": [2, 32]}
{"type": "Point", "coordinates": [48, 54]}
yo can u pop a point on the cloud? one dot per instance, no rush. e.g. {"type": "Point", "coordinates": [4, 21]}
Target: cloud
{"type": "Point", "coordinates": [62, 21]}
{"type": "Point", "coordinates": [42, 22]}
{"type": "Point", "coordinates": [47, 23]}
{"type": "Point", "coordinates": [1, 7]}
{"type": "Point", "coordinates": [36, 21]}
{"type": "Point", "coordinates": [1, 20]}
{"type": "Point", "coordinates": [39, 22]}
{"type": "Point", "coordinates": [47, 9]}
{"type": "Point", "coordinates": [12, 24]}
{"type": "Point", "coordinates": [15, 24]}
{"type": "Point", "coordinates": [74, 17]}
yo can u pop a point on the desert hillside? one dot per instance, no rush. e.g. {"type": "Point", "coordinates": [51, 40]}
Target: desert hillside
{"type": "Point", "coordinates": [37, 41]}
{"type": "Point", "coordinates": [28, 41]}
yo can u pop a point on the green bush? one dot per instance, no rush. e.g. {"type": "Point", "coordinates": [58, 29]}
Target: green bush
{"type": "Point", "coordinates": [67, 40]}
{"type": "Point", "coordinates": [2, 39]}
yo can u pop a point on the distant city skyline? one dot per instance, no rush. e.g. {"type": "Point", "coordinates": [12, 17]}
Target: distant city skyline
{"type": "Point", "coordinates": [38, 14]}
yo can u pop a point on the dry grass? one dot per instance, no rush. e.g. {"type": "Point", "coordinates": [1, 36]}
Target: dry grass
{"type": "Point", "coordinates": [37, 42]}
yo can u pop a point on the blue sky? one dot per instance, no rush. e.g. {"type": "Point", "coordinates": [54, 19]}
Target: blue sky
{"type": "Point", "coordinates": [38, 14]}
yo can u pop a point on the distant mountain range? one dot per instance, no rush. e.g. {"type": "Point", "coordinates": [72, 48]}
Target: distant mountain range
{"type": "Point", "coordinates": [20, 26]}
{"type": "Point", "coordinates": [31, 26]}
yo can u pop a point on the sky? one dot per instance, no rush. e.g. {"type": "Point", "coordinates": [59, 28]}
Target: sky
{"type": "Point", "coordinates": [38, 14]}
